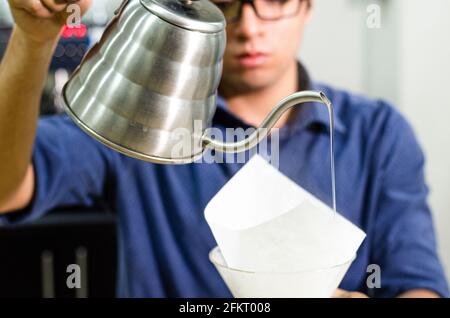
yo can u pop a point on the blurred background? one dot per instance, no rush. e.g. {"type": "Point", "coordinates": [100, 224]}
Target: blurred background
{"type": "Point", "coordinates": [35, 257]}
{"type": "Point", "coordinates": [397, 50]}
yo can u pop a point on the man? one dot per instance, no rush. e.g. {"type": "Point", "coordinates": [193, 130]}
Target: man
{"type": "Point", "coordinates": [163, 238]}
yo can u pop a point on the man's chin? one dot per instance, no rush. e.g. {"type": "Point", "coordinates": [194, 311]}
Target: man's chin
{"type": "Point", "coordinates": [247, 86]}
{"type": "Point", "coordinates": [247, 79]}
{"type": "Point", "coordinates": [255, 77]}
{"type": "Point", "coordinates": [251, 71]}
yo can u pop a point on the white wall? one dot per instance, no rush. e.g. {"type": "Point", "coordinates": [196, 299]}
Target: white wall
{"type": "Point", "coordinates": [406, 61]}
{"type": "Point", "coordinates": [5, 14]}
{"type": "Point", "coordinates": [424, 98]}
{"type": "Point", "coordinates": [333, 44]}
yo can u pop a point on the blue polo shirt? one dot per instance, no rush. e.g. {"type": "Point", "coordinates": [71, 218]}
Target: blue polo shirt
{"type": "Point", "coordinates": [164, 239]}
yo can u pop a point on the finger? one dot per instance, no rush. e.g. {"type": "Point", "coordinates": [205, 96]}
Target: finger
{"type": "Point", "coordinates": [83, 6]}
{"type": "Point", "coordinates": [55, 5]}
{"type": "Point", "coordinates": [358, 295]}
{"type": "Point", "coordinates": [34, 7]}
{"type": "Point", "coordinates": [340, 293]}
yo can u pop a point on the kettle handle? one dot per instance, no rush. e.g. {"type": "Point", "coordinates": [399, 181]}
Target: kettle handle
{"type": "Point", "coordinates": [268, 123]}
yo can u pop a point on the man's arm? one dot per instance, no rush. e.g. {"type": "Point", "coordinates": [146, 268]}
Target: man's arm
{"type": "Point", "coordinates": [403, 240]}
{"type": "Point", "coordinates": [22, 74]}
{"type": "Point", "coordinates": [23, 71]}
{"type": "Point", "coordinates": [401, 232]}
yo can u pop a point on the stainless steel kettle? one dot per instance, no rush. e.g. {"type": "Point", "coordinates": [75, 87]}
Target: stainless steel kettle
{"type": "Point", "coordinates": [155, 71]}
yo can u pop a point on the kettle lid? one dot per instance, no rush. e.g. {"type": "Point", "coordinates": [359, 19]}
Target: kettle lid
{"type": "Point", "coordinates": [195, 15]}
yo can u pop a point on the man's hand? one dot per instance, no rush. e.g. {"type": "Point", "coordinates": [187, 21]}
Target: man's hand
{"type": "Point", "coordinates": [415, 293]}
{"type": "Point", "coordinates": [41, 20]}
{"type": "Point", "coordinates": [340, 293]}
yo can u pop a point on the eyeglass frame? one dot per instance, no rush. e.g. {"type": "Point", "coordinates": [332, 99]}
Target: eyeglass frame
{"type": "Point", "coordinates": [252, 3]}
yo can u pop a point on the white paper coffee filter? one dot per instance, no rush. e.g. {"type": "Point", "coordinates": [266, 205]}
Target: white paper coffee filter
{"type": "Point", "coordinates": [264, 222]}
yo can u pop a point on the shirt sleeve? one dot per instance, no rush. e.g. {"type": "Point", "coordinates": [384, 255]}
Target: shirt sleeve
{"type": "Point", "coordinates": [70, 169]}
{"type": "Point", "coordinates": [404, 244]}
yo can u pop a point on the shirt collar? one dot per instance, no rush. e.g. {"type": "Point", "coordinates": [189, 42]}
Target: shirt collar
{"type": "Point", "coordinates": [304, 116]}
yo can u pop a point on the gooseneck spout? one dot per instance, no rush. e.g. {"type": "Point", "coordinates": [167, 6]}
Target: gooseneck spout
{"type": "Point", "coordinates": [268, 123]}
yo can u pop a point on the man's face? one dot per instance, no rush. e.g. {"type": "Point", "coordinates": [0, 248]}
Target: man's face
{"type": "Point", "coordinates": [258, 52]}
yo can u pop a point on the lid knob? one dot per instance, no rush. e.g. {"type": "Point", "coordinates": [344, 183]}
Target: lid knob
{"type": "Point", "coordinates": [195, 15]}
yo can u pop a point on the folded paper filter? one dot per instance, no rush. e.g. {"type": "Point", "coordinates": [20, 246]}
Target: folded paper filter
{"type": "Point", "coordinates": [277, 240]}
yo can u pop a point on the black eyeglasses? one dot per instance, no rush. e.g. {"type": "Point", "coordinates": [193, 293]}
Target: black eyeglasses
{"type": "Point", "coordinates": [267, 10]}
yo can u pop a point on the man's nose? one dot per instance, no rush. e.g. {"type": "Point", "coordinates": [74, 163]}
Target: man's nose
{"type": "Point", "coordinates": [249, 23]}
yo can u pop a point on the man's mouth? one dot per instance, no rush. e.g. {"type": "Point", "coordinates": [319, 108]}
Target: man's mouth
{"type": "Point", "coordinates": [251, 59]}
